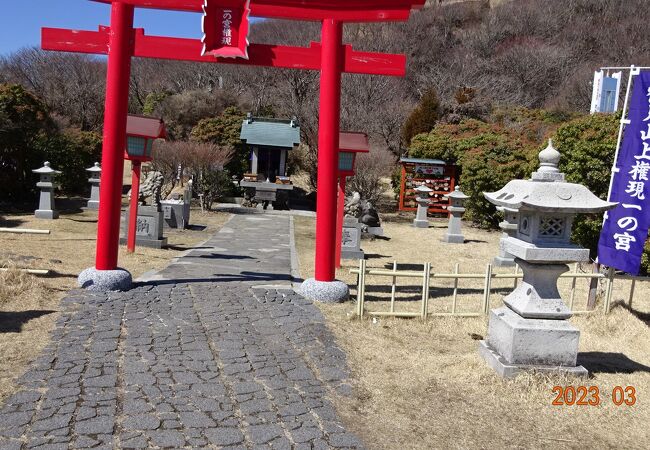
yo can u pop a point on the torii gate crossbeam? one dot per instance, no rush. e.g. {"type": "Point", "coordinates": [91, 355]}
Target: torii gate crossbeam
{"type": "Point", "coordinates": [121, 42]}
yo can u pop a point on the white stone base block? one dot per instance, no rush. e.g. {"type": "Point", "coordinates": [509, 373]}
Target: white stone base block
{"type": "Point", "coordinates": [48, 214]}
{"type": "Point", "coordinates": [541, 342]}
{"type": "Point", "coordinates": [93, 204]}
{"type": "Point", "coordinates": [506, 370]}
{"type": "Point", "coordinates": [421, 223]}
{"type": "Point", "coordinates": [454, 239]}
{"type": "Point", "coordinates": [325, 292]}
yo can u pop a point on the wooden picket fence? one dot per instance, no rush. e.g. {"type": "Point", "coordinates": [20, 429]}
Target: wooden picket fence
{"type": "Point", "coordinates": [426, 276]}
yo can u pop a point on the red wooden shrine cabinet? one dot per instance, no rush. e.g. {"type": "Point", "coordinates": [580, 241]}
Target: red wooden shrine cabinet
{"type": "Point", "coordinates": [434, 174]}
{"type": "Point", "coordinates": [121, 42]}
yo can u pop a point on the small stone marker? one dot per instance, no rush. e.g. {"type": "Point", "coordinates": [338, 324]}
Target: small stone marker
{"type": "Point", "coordinates": [176, 212]}
{"type": "Point", "coordinates": [351, 239]}
{"type": "Point", "coordinates": [46, 184]}
{"type": "Point", "coordinates": [423, 200]}
{"type": "Point", "coordinates": [509, 227]}
{"type": "Point", "coordinates": [95, 175]}
{"type": "Point", "coordinates": [532, 331]}
{"type": "Point", "coordinates": [149, 227]}
{"type": "Point", "coordinates": [454, 232]}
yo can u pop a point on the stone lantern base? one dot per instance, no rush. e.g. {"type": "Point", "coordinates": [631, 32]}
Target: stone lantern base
{"type": "Point", "coordinates": [507, 370]}
{"type": "Point", "coordinates": [515, 343]}
{"type": "Point", "coordinates": [531, 331]}
{"type": "Point", "coordinates": [421, 223]}
{"type": "Point", "coordinates": [49, 214]}
{"type": "Point", "coordinates": [453, 238]}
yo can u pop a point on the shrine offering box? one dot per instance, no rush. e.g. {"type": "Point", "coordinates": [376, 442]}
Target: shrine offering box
{"type": "Point", "coordinates": [435, 174]}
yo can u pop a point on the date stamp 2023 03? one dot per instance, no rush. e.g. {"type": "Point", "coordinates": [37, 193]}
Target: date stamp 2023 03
{"type": "Point", "coordinates": [593, 396]}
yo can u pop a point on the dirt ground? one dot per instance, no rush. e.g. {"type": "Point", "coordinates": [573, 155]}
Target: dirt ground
{"type": "Point", "coordinates": [422, 385]}
{"type": "Point", "coordinates": [29, 304]}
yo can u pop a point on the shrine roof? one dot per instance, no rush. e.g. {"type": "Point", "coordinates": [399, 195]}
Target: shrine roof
{"type": "Point", "coordinates": [283, 133]}
{"type": "Point", "coordinates": [145, 126]}
{"type": "Point", "coordinates": [354, 142]}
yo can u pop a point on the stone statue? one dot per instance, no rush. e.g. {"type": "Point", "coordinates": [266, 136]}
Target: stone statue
{"type": "Point", "coordinates": [352, 207]}
{"type": "Point", "coordinates": [151, 187]}
{"type": "Point", "coordinates": [369, 215]}
{"type": "Point", "coordinates": [362, 210]}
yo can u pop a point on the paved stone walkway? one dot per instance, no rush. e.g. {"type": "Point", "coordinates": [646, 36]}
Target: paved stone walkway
{"type": "Point", "coordinates": [210, 353]}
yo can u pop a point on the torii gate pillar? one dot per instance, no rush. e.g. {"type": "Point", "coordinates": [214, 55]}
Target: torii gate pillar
{"type": "Point", "coordinates": [106, 275]}
{"type": "Point", "coordinates": [323, 287]}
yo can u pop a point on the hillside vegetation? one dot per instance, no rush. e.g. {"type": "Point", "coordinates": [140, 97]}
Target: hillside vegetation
{"type": "Point", "coordinates": [527, 53]}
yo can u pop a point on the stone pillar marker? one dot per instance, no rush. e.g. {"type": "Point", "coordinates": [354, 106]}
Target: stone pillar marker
{"type": "Point", "coordinates": [95, 174]}
{"type": "Point", "coordinates": [421, 217]}
{"type": "Point", "coordinates": [509, 227]}
{"type": "Point", "coordinates": [46, 184]}
{"type": "Point", "coordinates": [454, 232]}
{"type": "Point", "coordinates": [532, 330]}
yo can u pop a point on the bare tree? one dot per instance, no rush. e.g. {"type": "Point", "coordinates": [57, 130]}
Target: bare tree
{"type": "Point", "coordinates": [70, 84]}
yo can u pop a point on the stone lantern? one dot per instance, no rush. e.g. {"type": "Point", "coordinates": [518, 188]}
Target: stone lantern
{"type": "Point", "coordinates": [509, 226]}
{"type": "Point", "coordinates": [46, 184]}
{"type": "Point", "coordinates": [423, 200]}
{"type": "Point", "coordinates": [456, 209]}
{"type": "Point", "coordinates": [95, 175]}
{"type": "Point", "coordinates": [532, 331]}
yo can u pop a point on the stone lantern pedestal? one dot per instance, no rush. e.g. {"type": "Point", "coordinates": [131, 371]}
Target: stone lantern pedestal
{"type": "Point", "coordinates": [509, 227]}
{"type": "Point", "coordinates": [423, 200]}
{"type": "Point", "coordinates": [95, 175]}
{"type": "Point", "coordinates": [46, 209]}
{"type": "Point", "coordinates": [532, 331]}
{"type": "Point", "coordinates": [456, 209]}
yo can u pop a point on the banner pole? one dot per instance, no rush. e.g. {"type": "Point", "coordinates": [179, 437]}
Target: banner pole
{"type": "Point", "coordinates": [621, 128]}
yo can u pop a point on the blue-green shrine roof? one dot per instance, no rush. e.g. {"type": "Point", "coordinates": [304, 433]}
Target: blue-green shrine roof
{"type": "Point", "coordinates": [270, 132]}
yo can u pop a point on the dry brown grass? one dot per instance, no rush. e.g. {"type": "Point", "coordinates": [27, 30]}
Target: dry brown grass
{"type": "Point", "coordinates": [422, 385]}
{"type": "Point", "coordinates": [28, 304]}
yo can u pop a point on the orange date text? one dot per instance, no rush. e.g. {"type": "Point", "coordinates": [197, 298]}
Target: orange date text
{"type": "Point", "coordinates": [592, 396]}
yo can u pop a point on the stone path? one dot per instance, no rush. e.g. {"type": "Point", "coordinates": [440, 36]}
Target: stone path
{"type": "Point", "coordinates": [215, 351]}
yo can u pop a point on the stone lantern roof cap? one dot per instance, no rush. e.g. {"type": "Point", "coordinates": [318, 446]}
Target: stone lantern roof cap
{"type": "Point", "coordinates": [457, 194]}
{"type": "Point", "coordinates": [46, 170]}
{"type": "Point", "coordinates": [423, 189]}
{"type": "Point", "coordinates": [547, 191]}
{"type": "Point", "coordinates": [94, 168]}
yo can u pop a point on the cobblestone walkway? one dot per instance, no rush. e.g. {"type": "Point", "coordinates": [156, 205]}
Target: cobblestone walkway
{"type": "Point", "coordinates": [210, 353]}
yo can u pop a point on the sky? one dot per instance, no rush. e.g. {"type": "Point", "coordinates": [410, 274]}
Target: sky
{"type": "Point", "coordinates": [21, 20]}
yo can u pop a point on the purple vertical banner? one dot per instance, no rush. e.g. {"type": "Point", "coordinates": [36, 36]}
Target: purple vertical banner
{"type": "Point", "coordinates": [626, 227]}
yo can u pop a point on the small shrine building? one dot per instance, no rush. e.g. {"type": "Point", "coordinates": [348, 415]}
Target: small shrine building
{"type": "Point", "coordinates": [269, 141]}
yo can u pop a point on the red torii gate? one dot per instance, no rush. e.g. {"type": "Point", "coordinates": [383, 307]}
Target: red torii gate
{"type": "Point", "coordinates": [121, 42]}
